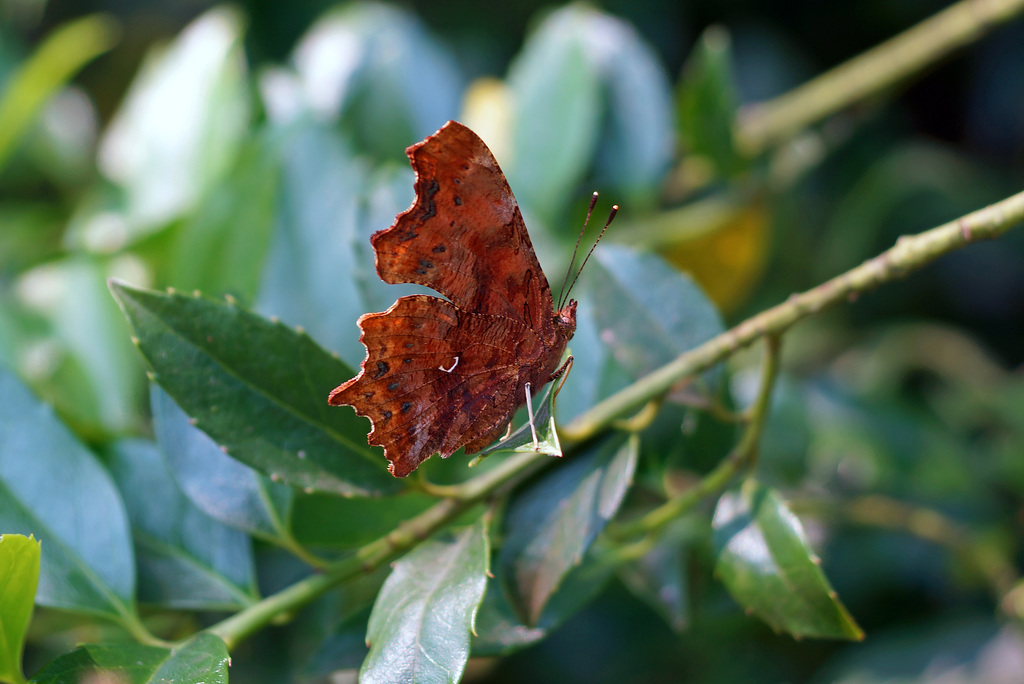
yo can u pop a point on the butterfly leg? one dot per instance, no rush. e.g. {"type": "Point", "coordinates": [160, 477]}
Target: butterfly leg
{"type": "Point", "coordinates": [508, 433]}
{"type": "Point", "coordinates": [562, 369]}
{"type": "Point", "coordinates": [529, 412]}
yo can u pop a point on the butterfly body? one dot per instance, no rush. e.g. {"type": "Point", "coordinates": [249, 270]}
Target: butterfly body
{"type": "Point", "coordinates": [444, 374]}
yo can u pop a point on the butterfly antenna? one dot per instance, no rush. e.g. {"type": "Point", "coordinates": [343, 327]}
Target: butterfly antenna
{"type": "Point", "coordinates": [590, 210]}
{"type": "Point", "coordinates": [611, 216]}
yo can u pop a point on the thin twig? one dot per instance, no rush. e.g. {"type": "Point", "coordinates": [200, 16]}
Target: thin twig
{"type": "Point", "coordinates": [880, 68]}
{"type": "Point", "coordinates": [910, 253]}
{"type": "Point", "coordinates": [742, 457]}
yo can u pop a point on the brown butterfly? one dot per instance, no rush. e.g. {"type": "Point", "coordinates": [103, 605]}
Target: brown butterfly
{"type": "Point", "coordinates": [440, 375]}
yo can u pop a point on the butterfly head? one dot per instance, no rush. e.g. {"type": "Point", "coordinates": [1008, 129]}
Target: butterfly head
{"type": "Point", "coordinates": [565, 320]}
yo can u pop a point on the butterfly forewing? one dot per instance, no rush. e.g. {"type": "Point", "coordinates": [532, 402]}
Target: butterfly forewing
{"type": "Point", "coordinates": [464, 235]}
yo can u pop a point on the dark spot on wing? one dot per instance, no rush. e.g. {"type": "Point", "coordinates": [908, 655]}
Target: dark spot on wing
{"type": "Point", "coordinates": [424, 266]}
{"type": "Point", "coordinates": [409, 345]}
{"type": "Point", "coordinates": [431, 191]}
{"type": "Point", "coordinates": [386, 414]}
{"type": "Point", "coordinates": [406, 405]}
{"type": "Point", "coordinates": [393, 386]}
{"type": "Point", "coordinates": [382, 369]}
{"type": "Point", "coordinates": [406, 360]}
{"type": "Point", "coordinates": [458, 201]}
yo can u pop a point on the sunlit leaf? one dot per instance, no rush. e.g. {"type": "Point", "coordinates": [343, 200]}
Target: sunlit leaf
{"type": "Point", "coordinates": [377, 68]}
{"type": "Point", "coordinates": [421, 623]}
{"type": "Point", "coordinates": [555, 95]}
{"type": "Point", "coordinates": [765, 561]}
{"type": "Point", "coordinates": [182, 122]}
{"type": "Point", "coordinates": [221, 248]}
{"type": "Point", "coordinates": [19, 575]}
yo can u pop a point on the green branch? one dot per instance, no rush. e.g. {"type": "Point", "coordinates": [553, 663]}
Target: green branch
{"type": "Point", "coordinates": [910, 253]}
{"type": "Point", "coordinates": [371, 556]}
{"type": "Point", "coordinates": [763, 124]}
{"type": "Point", "coordinates": [742, 457]}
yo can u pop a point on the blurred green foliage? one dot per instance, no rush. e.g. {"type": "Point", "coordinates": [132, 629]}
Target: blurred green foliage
{"type": "Point", "coordinates": [250, 151]}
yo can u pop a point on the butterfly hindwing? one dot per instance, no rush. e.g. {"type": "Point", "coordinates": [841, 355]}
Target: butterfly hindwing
{"type": "Point", "coordinates": [435, 378]}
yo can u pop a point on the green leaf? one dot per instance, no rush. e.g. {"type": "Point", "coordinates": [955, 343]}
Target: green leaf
{"type": "Point", "coordinates": [223, 488]}
{"type": "Point", "coordinates": [311, 270]}
{"type": "Point", "coordinates": [344, 649]}
{"type": "Point", "coordinates": [421, 622]}
{"type": "Point", "coordinates": [85, 365]}
{"type": "Point", "coordinates": [52, 487]}
{"type": "Point", "coordinates": [500, 630]}
{"type": "Point", "coordinates": [521, 440]}
{"type": "Point", "coordinates": [556, 96]}
{"type": "Point", "coordinates": [766, 563]}
{"type": "Point", "coordinates": [706, 103]}
{"type": "Point", "coordinates": [221, 248]}
{"type": "Point", "coordinates": [258, 388]}
{"type": "Point", "coordinates": [595, 374]}
{"type": "Point", "coordinates": [204, 658]}
{"type": "Point", "coordinates": [64, 52]}
{"type": "Point", "coordinates": [19, 575]}
{"type": "Point", "coordinates": [637, 138]}
{"type": "Point", "coordinates": [659, 577]}
{"type": "Point", "coordinates": [650, 312]}
{"type": "Point", "coordinates": [391, 81]}
{"type": "Point", "coordinates": [181, 124]}
{"type": "Point", "coordinates": [324, 520]}
{"type": "Point", "coordinates": [550, 525]}
{"type": "Point", "coordinates": [186, 559]}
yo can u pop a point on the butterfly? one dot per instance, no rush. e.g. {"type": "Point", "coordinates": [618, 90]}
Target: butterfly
{"type": "Point", "coordinates": [443, 374]}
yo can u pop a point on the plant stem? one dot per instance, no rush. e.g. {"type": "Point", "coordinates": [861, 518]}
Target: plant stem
{"type": "Point", "coordinates": [910, 253]}
{"type": "Point", "coordinates": [743, 456]}
{"type": "Point", "coordinates": [371, 556]}
{"type": "Point", "coordinates": [882, 67]}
